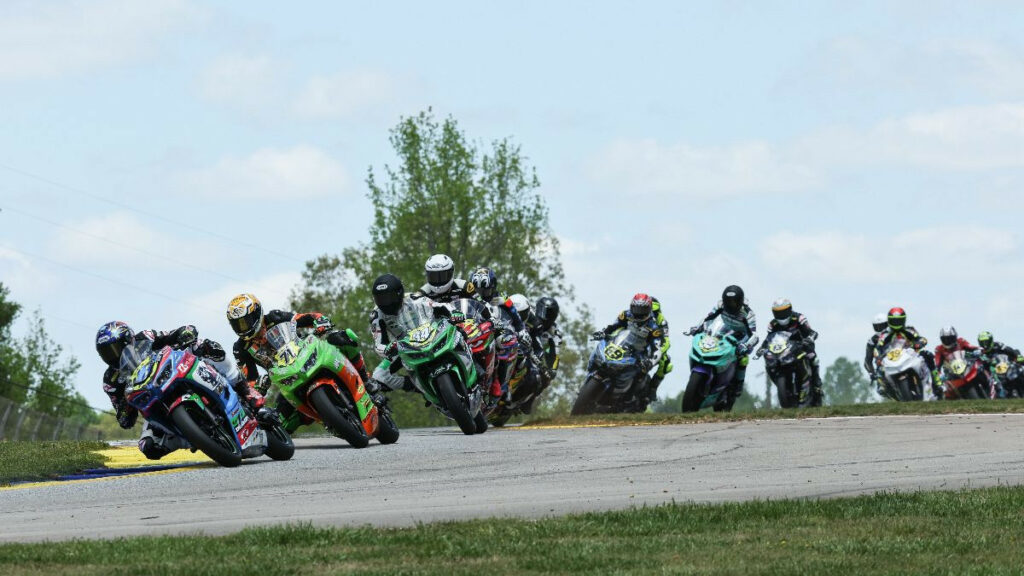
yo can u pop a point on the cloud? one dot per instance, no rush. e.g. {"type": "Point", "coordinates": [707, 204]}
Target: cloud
{"type": "Point", "coordinates": [347, 95]}
{"type": "Point", "coordinates": [968, 252]}
{"type": "Point", "coordinates": [41, 40]}
{"type": "Point", "coordinates": [244, 83]}
{"type": "Point", "coordinates": [683, 170]}
{"type": "Point", "coordinates": [299, 173]}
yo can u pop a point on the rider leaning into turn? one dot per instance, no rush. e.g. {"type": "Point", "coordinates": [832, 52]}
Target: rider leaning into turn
{"type": "Point", "coordinates": [896, 328]}
{"type": "Point", "coordinates": [541, 321]}
{"type": "Point", "coordinates": [989, 348]}
{"type": "Point", "coordinates": [111, 339]}
{"type": "Point", "coordinates": [251, 350]}
{"type": "Point", "coordinates": [442, 285]}
{"type": "Point", "coordinates": [785, 319]}
{"type": "Point", "coordinates": [878, 325]}
{"type": "Point", "coordinates": [644, 315]}
{"type": "Point", "coordinates": [740, 318]}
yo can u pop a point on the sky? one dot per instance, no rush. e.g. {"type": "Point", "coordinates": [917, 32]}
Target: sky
{"type": "Point", "coordinates": [158, 157]}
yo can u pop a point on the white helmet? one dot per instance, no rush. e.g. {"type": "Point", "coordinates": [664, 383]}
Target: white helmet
{"type": "Point", "coordinates": [782, 311]}
{"type": "Point", "coordinates": [440, 271]}
{"type": "Point", "coordinates": [880, 323]}
{"type": "Point", "coordinates": [521, 303]}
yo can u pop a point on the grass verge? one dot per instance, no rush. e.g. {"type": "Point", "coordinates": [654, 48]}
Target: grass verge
{"type": "Point", "coordinates": [43, 460]}
{"type": "Point", "coordinates": [881, 409]}
{"type": "Point", "coordinates": [965, 532]}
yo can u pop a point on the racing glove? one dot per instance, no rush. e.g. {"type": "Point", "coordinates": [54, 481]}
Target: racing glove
{"type": "Point", "coordinates": [210, 349]}
{"type": "Point", "coordinates": [341, 339]}
{"type": "Point", "coordinates": [599, 335]}
{"type": "Point", "coordinates": [277, 317]}
{"type": "Point", "coordinates": [185, 336]}
{"type": "Point", "coordinates": [322, 324]}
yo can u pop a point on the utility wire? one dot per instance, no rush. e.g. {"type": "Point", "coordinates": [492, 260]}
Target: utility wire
{"type": "Point", "coordinates": [131, 247]}
{"type": "Point", "coordinates": [146, 213]}
{"type": "Point", "coordinates": [63, 399]}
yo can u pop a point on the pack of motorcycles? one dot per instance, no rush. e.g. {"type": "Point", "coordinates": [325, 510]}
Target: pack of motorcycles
{"type": "Point", "coordinates": [452, 362]}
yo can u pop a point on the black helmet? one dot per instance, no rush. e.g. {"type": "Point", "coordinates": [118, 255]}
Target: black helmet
{"type": "Point", "coordinates": [732, 299]}
{"type": "Point", "coordinates": [948, 336]}
{"type": "Point", "coordinates": [111, 340]}
{"type": "Point", "coordinates": [546, 311]}
{"type": "Point", "coordinates": [485, 283]}
{"type": "Point", "coordinates": [388, 293]}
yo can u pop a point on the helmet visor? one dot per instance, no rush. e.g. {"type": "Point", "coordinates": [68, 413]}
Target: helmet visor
{"type": "Point", "coordinates": [388, 302]}
{"type": "Point", "coordinates": [111, 353]}
{"type": "Point", "coordinates": [948, 340]}
{"type": "Point", "coordinates": [897, 322]}
{"type": "Point", "coordinates": [439, 277]}
{"type": "Point", "coordinates": [247, 325]}
{"type": "Point", "coordinates": [782, 315]}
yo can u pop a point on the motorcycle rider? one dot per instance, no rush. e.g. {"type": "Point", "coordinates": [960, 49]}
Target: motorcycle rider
{"type": "Point", "coordinates": [546, 335]}
{"type": "Point", "coordinates": [644, 316]}
{"type": "Point", "coordinates": [111, 340]}
{"type": "Point", "coordinates": [251, 350]}
{"type": "Point", "coordinates": [442, 285]}
{"type": "Point", "coordinates": [896, 328]}
{"type": "Point", "coordinates": [733, 307]}
{"type": "Point", "coordinates": [990, 348]}
{"type": "Point", "coordinates": [390, 300]}
{"type": "Point", "coordinates": [785, 319]}
{"type": "Point", "coordinates": [951, 342]}
{"type": "Point", "coordinates": [878, 325]}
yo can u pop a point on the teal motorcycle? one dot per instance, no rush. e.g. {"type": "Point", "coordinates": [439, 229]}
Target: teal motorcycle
{"type": "Point", "coordinates": [713, 363]}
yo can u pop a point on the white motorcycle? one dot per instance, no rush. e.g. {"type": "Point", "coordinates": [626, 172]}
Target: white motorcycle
{"type": "Point", "coordinates": [904, 372]}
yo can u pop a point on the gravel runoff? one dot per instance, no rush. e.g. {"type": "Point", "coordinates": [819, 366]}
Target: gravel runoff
{"type": "Point", "coordinates": [439, 474]}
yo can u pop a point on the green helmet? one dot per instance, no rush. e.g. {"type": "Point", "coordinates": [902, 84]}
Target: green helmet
{"type": "Point", "coordinates": [985, 340]}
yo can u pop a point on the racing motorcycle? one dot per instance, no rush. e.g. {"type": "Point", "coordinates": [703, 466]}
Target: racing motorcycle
{"type": "Point", "coordinates": [788, 368]}
{"type": "Point", "coordinates": [322, 385]}
{"type": "Point", "coordinates": [904, 374]}
{"type": "Point", "coordinates": [965, 377]}
{"type": "Point", "coordinates": [525, 390]}
{"type": "Point", "coordinates": [510, 367]}
{"type": "Point", "coordinates": [193, 398]}
{"type": "Point", "coordinates": [441, 365]}
{"type": "Point", "coordinates": [1008, 375]}
{"type": "Point", "coordinates": [713, 362]}
{"type": "Point", "coordinates": [481, 336]}
{"type": "Point", "coordinates": [616, 378]}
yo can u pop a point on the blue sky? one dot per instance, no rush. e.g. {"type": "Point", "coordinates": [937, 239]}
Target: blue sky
{"type": "Point", "coordinates": [849, 157]}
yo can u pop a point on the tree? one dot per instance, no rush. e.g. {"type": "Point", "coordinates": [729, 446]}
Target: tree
{"type": "Point", "coordinates": [844, 383]}
{"type": "Point", "coordinates": [45, 373]}
{"type": "Point", "coordinates": [9, 358]}
{"type": "Point", "coordinates": [447, 196]}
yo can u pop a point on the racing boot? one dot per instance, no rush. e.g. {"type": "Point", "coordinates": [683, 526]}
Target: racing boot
{"type": "Point", "coordinates": [496, 390]}
{"type": "Point", "coordinates": [937, 390]}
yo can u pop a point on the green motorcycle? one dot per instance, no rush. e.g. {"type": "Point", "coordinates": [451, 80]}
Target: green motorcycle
{"type": "Point", "coordinates": [317, 379]}
{"type": "Point", "coordinates": [713, 363]}
{"type": "Point", "coordinates": [441, 365]}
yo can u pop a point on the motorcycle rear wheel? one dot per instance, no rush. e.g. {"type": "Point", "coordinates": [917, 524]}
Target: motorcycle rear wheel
{"type": "Point", "coordinates": [455, 404]}
{"type": "Point", "coordinates": [586, 400]}
{"type": "Point", "coordinates": [223, 449]}
{"type": "Point", "coordinates": [342, 423]}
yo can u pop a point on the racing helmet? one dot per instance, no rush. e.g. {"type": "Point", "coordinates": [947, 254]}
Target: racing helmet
{"type": "Point", "coordinates": [732, 299]}
{"type": "Point", "coordinates": [880, 322]}
{"type": "Point", "coordinates": [440, 271]}
{"type": "Point", "coordinates": [388, 293]}
{"type": "Point", "coordinates": [245, 314]}
{"type": "Point", "coordinates": [986, 340]}
{"type": "Point", "coordinates": [485, 283]}
{"type": "Point", "coordinates": [782, 311]}
{"type": "Point", "coordinates": [111, 340]}
{"type": "Point", "coordinates": [948, 336]}
{"type": "Point", "coordinates": [897, 319]}
{"type": "Point", "coordinates": [522, 307]}
{"type": "Point", "coordinates": [546, 310]}
{"type": "Point", "coordinates": [641, 306]}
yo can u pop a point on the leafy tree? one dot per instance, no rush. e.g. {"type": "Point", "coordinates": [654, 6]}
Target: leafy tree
{"type": "Point", "coordinates": [845, 383]}
{"type": "Point", "coordinates": [9, 358]}
{"type": "Point", "coordinates": [446, 195]}
{"type": "Point", "coordinates": [47, 375]}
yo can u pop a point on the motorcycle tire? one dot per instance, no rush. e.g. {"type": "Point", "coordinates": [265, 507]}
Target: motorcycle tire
{"type": "Point", "coordinates": [970, 393]}
{"type": "Point", "coordinates": [903, 389]}
{"type": "Point", "coordinates": [481, 422]}
{"type": "Point", "coordinates": [694, 395]}
{"type": "Point", "coordinates": [586, 400]}
{"type": "Point", "coordinates": [455, 404]}
{"type": "Point", "coordinates": [279, 443]}
{"type": "Point", "coordinates": [500, 420]}
{"type": "Point", "coordinates": [223, 449]}
{"type": "Point", "coordinates": [387, 429]}
{"type": "Point", "coordinates": [786, 398]}
{"type": "Point", "coordinates": [341, 422]}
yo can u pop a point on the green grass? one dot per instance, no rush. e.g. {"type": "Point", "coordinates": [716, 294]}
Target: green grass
{"type": "Point", "coordinates": [965, 532]}
{"type": "Point", "coordinates": [880, 409]}
{"type": "Point", "coordinates": [42, 460]}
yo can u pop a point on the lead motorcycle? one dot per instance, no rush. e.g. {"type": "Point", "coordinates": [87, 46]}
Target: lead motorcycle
{"type": "Point", "coordinates": [193, 398]}
{"type": "Point", "coordinates": [713, 362]}
{"type": "Point", "coordinates": [616, 381]}
{"type": "Point", "coordinates": [788, 368]}
{"type": "Point", "coordinates": [904, 374]}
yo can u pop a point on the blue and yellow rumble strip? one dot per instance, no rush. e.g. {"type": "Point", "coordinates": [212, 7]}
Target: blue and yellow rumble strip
{"type": "Point", "coordinates": [125, 461]}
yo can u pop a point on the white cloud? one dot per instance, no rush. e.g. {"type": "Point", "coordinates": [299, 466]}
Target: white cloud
{"type": "Point", "coordinates": [245, 83]}
{"type": "Point", "coordinates": [683, 170]}
{"type": "Point", "coordinates": [51, 39]}
{"type": "Point", "coordinates": [301, 172]}
{"type": "Point", "coordinates": [969, 252]}
{"type": "Point", "coordinates": [347, 95]}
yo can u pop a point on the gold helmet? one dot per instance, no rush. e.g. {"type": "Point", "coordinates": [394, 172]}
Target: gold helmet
{"type": "Point", "coordinates": [245, 314]}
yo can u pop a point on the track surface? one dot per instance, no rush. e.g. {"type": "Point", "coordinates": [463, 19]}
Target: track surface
{"type": "Point", "coordinates": [440, 474]}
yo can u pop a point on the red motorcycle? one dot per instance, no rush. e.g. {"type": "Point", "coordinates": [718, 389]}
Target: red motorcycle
{"type": "Point", "coordinates": [480, 334]}
{"type": "Point", "coordinates": [965, 377]}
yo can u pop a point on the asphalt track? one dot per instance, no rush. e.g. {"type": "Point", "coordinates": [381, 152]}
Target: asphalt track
{"type": "Point", "coordinates": [439, 474]}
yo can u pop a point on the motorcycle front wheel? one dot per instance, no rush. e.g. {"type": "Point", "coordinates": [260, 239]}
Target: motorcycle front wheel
{"type": "Point", "coordinates": [216, 443]}
{"type": "Point", "coordinates": [387, 429]}
{"type": "Point", "coordinates": [586, 400]}
{"type": "Point", "coordinates": [279, 443]}
{"type": "Point", "coordinates": [455, 404]}
{"type": "Point", "coordinates": [342, 423]}
{"type": "Point", "coordinates": [786, 398]}
{"type": "Point", "coordinates": [694, 395]}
